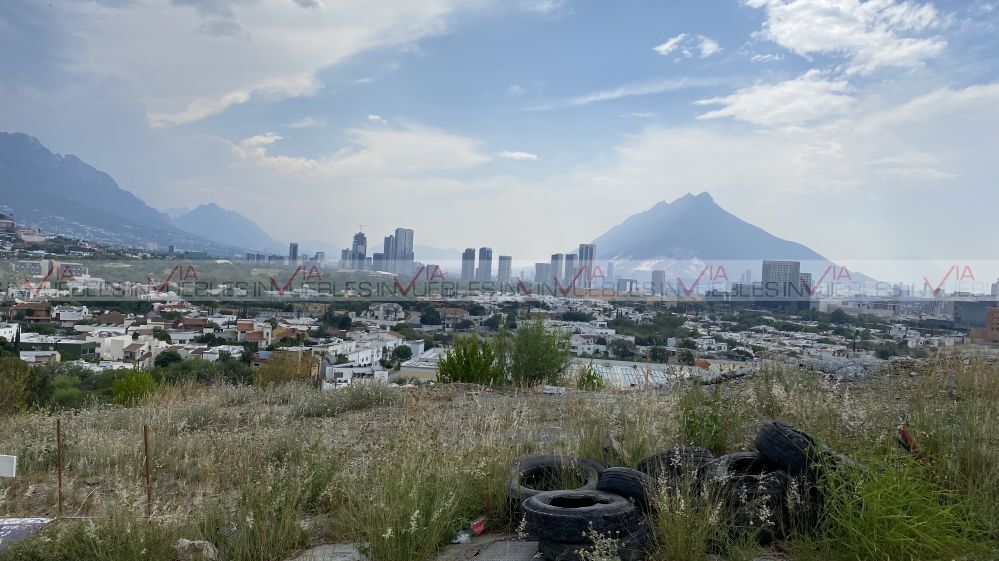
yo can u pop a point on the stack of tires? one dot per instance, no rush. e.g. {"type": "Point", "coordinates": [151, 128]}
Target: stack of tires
{"type": "Point", "coordinates": [615, 502]}
{"type": "Point", "coordinates": [609, 502]}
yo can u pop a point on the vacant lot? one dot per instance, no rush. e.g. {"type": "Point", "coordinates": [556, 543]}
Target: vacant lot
{"type": "Point", "coordinates": [264, 473]}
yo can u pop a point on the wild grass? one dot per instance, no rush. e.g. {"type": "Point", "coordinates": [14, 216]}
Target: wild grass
{"type": "Point", "coordinates": [265, 472]}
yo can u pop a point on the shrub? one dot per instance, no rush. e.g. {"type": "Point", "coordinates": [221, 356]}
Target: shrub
{"type": "Point", "coordinates": [539, 356]}
{"type": "Point", "coordinates": [589, 379]}
{"type": "Point", "coordinates": [132, 387]}
{"type": "Point", "coordinates": [14, 389]}
{"type": "Point", "coordinates": [471, 361]}
{"type": "Point", "coordinates": [283, 367]}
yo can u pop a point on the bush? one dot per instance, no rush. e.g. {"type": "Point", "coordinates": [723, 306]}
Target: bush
{"type": "Point", "coordinates": [132, 387]}
{"type": "Point", "coordinates": [14, 389]}
{"type": "Point", "coordinates": [283, 367]}
{"type": "Point", "coordinates": [166, 359]}
{"type": "Point", "coordinates": [589, 379]}
{"type": "Point", "coordinates": [539, 356]}
{"type": "Point", "coordinates": [470, 361]}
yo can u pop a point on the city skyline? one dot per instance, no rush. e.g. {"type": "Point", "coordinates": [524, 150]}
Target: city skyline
{"type": "Point", "coordinates": [867, 114]}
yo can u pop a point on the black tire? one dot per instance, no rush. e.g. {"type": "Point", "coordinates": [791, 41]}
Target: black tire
{"type": "Point", "coordinates": [749, 496]}
{"type": "Point", "coordinates": [676, 463]}
{"type": "Point", "coordinates": [525, 472]}
{"type": "Point", "coordinates": [628, 483]}
{"type": "Point", "coordinates": [791, 449]}
{"type": "Point", "coordinates": [633, 548]}
{"type": "Point", "coordinates": [568, 516]}
{"type": "Point", "coordinates": [725, 467]}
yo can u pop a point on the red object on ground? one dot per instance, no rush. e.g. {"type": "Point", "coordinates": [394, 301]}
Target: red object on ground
{"type": "Point", "coordinates": [478, 526]}
{"type": "Point", "coordinates": [910, 443]}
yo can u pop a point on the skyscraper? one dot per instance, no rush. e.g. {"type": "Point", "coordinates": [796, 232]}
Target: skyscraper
{"type": "Point", "coordinates": [359, 251]}
{"type": "Point", "coordinates": [468, 264]}
{"type": "Point", "coordinates": [388, 253]}
{"type": "Point", "coordinates": [543, 273]}
{"type": "Point", "coordinates": [404, 245]}
{"type": "Point", "coordinates": [659, 282]}
{"type": "Point", "coordinates": [781, 279]}
{"type": "Point", "coordinates": [587, 254]}
{"type": "Point", "coordinates": [485, 271]}
{"type": "Point", "coordinates": [292, 253]}
{"type": "Point", "coordinates": [570, 269]}
{"type": "Point", "coordinates": [503, 271]}
{"type": "Point", "coordinates": [558, 266]}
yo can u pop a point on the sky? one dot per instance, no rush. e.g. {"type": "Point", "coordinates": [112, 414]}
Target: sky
{"type": "Point", "coordinates": [864, 130]}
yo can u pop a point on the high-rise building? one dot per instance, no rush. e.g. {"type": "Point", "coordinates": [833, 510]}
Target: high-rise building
{"type": "Point", "coordinates": [558, 266]}
{"type": "Point", "coordinates": [485, 271]}
{"type": "Point", "coordinates": [503, 269]}
{"type": "Point", "coordinates": [806, 285]}
{"type": "Point", "coordinates": [781, 279]}
{"type": "Point", "coordinates": [587, 255]}
{"type": "Point", "coordinates": [388, 253]}
{"type": "Point", "coordinates": [468, 264]}
{"type": "Point", "coordinates": [292, 253]}
{"type": "Point", "coordinates": [321, 256]}
{"type": "Point", "coordinates": [404, 245]}
{"type": "Point", "coordinates": [570, 269]}
{"type": "Point", "coordinates": [659, 282]}
{"type": "Point", "coordinates": [543, 273]}
{"type": "Point", "coordinates": [627, 286]}
{"type": "Point", "coordinates": [359, 252]}
{"type": "Point", "coordinates": [995, 288]}
{"type": "Point", "coordinates": [610, 271]}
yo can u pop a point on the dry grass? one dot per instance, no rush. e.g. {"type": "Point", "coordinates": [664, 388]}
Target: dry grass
{"type": "Point", "coordinates": [402, 469]}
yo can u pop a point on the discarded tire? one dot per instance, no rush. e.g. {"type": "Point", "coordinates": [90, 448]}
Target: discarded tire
{"type": "Point", "coordinates": [676, 463]}
{"type": "Point", "coordinates": [569, 516]}
{"type": "Point", "coordinates": [632, 548]}
{"type": "Point", "coordinates": [758, 503]}
{"type": "Point", "coordinates": [628, 483]}
{"type": "Point", "coordinates": [784, 446]}
{"type": "Point", "coordinates": [535, 474]}
{"type": "Point", "coordinates": [725, 467]}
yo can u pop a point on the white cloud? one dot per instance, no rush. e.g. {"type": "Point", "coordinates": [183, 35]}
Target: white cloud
{"type": "Point", "coordinates": [307, 123]}
{"type": "Point", "coordinates": [871, 34]}
{"type": "Point", "coordinates": [640, 114]}
{"type": "Point", "coordinates": [543, 7]}
{"type": "Point", "coordinates": [708, 46]}
{"type": "Point", "coordinates": [669, 45]}
{"type": "Point", "coordinates": [806, 98]}
{"type": "Point", "coordinates": [769, 57]}
{"type": "Point", "coordinates": [631, 90]}
{"type": "Point", "coordinates": [514, 90]}
{"type": "Point", "coordinates": [402, 151]}
{"type": "Point", "coordinates": [686, 44]}
{"type": "Point", "coordinates": [376, 119]}
{"type": "Point", "coordinates": [520, 156]}
{"type": "Point", "coordinates": [182, 74]}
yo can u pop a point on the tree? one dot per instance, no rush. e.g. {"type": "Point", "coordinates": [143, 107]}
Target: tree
{"type": "Point", "coordinates": [463, 325]}
{"type": "Point", "coordinates": [132, 387]}
{"type": "Point", "coordinates": [687, 358]}
{"type": "Point", "coordinates": [344, 322]}
{"type": "Point", "coordinates": [471, 361]}
{"type": "Point", "coordinates": [659, 354]}
{"type": "Point", "coordinates": [402, 353]}
{"type": "Point", "coordinates": [14, 374]}
{"type": "Point", "coordinates": [493, 322]}
{"type": "Point", "coordinates": [167, 358]}
{"type": "Point", "coordinates": [6, 349]}
{"type": "Point", "coordinates": [430, 316]}
{"type": "Point", "coordinates": [161, 335]}
{"type": "Point", "coordinates": [688, 344]}
{"type": "Point", "coordinates": [622, 348]}
{"type": "Point", "coordinates": [539, 356]}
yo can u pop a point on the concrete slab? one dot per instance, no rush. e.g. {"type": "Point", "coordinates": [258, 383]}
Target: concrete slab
{"type": "Point", "coordinates": [331, 552]}
{"type": "Point", "coordinates": [509, 551]}
{"type": "Point", "coordinates": [490, 547]}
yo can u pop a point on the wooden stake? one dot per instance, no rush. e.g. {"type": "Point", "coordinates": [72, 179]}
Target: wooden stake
{"type": "Point", "coordinates": [59, 460]}
{"type": "Point", "coordinates": [149, 472]}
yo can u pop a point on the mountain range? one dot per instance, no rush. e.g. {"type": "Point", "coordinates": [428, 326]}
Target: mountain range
{"type": "Point", "coordinates": [63, 195]}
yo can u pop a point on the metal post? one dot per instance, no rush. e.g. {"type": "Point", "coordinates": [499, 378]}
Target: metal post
{"type": "Point", "coordinates": [59, 460]}
{"type": "Point", "coordinates": [149, 476]}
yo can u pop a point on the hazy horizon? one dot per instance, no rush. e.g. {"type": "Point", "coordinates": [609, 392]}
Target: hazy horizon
{"type": "Point", "coordinates": [861, 130]}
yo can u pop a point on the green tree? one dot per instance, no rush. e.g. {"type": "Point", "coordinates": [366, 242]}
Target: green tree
{"type": "Point", "coordinates": [493, 322]}
{"type": "Point", "coordinates": [687, 358]}
{"type": "Point", "coordinates": [402, 353]}
{"type": "Point", "coordinates": [430, 316]}
{"type": "Point", "coordinates": [6, 348]}
{"type": "Point", "coordinates": [472, 361]}
{"type": "Point", "coordinates": [622, 348]}
{"type": "Point", "coordinates": [132, 387]}
{"type": "Point", "coordinates": [344, 322]}
{"type": "Point", "coordinates": [161, 335]}
{"type": "Point", "coordinates": [14, 374]}
{"type": "Point", "coordinates": [167, 358]}
{"type": "Point", "coordinates": [539, 356]}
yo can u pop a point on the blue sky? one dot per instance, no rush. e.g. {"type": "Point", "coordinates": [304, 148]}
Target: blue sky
{"type": "Point", "coordinates": [862, 129]}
